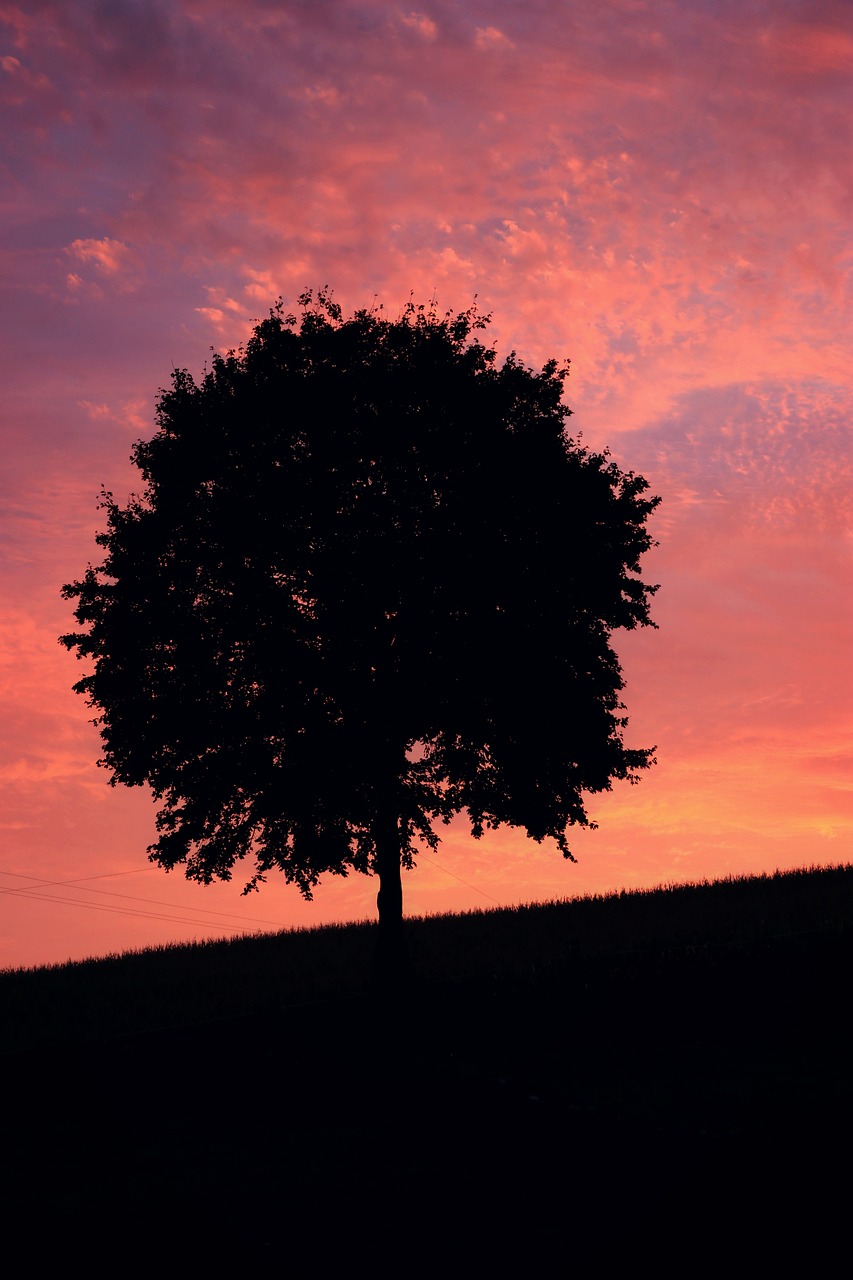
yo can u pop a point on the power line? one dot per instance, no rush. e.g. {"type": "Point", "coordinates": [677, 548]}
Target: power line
{"type": "Point", "coordinates": [433, 863]}
{"type": "Point", "coordinates": [102, 875]}
{"type": "Point", "coordinates": [143, 915]}
{"type": "Point", "coordinates": [30, 891]}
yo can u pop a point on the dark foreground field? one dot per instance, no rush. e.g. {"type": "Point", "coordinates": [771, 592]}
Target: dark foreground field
{"type": "Point", "coordinates": [636, 1075]}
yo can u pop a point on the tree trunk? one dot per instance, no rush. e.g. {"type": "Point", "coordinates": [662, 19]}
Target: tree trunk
{"type": "Point", "coordinates": [392, 965]}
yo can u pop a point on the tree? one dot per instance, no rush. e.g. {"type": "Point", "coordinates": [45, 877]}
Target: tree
{"type": "Point", "coordinates": [370, 583]}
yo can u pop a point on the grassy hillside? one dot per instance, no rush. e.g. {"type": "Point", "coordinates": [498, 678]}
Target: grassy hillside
{"type": "Point", "coordinates": [670, 1059]}
{"type": "Point", "coordinates": [686, 926]}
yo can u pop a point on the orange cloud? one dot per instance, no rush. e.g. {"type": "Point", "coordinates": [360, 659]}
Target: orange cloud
{"type": "Point", "coordinates": [420, 24]}
{"type": "Point", "coordinates": [109, 256]}
{"type": "Point", "coordinates": [491, 38]}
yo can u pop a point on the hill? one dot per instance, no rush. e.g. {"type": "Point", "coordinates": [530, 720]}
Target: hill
{"type": "Point", "coordinates": [545, 1052]}
{"type": "Point", "coordinates": [171, 986]}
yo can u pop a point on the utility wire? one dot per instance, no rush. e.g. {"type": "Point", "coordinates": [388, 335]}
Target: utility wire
{"type": "Point", "coordinates": [144, 915]}
{"type": "Point", "coordinates": [102, 875]}
{"type": "Point", "coordinates": [433, 863]}
{"type": "Point", "coordinates": [34, 891]}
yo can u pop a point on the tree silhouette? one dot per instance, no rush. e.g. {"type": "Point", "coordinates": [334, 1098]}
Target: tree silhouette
{"type": "Point", "coordinates": [370, 583]}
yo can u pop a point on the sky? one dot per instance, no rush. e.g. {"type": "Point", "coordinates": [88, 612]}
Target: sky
{"type": "Point", "coordinates": [657, 190]}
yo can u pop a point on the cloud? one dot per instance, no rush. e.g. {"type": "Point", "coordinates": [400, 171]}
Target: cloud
{"type": "Point", "coordinates": [262, 286]}
{"type": "Point", "coordinates": [808, 48]}
{"type": "Point", "coordinates": [491, 38]}
{"type": "Point", "coordinates": [109, 262]}
{"type": "Point", "coordinates": [641, 172]}
{"type": "Point", "coordinates": [420, 24]}
{"type": "Point", "coordinates": [757, 457]}
{"type": "Point", "coordinates": [130, 413]}
{"type": "Point", "coordinates": [108, 256]}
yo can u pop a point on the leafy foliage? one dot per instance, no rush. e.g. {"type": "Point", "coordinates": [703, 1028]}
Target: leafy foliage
{"type": "Point", "coordinates": [369, 577]}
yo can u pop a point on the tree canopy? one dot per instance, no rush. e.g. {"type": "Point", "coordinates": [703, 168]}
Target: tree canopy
{"type": "Point", "coordinates": [369, 583]}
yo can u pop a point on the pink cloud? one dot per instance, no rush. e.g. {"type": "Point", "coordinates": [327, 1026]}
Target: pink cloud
{"type": "Point", "coordinates": [491, 38]}
{"type": "Point", "coordinates": [420, 24]}
{"type": "Point", "coordinates": [809, 48]}
{"type": "Point", "coordinates": [106, 255]}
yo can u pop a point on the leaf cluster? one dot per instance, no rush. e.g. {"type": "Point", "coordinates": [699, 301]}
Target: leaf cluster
{"type": "Point", "coordinates": [368, 573]}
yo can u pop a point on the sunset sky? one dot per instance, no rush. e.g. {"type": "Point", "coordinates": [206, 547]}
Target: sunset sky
{"type": "Point", "coordinates": [659, 190]}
